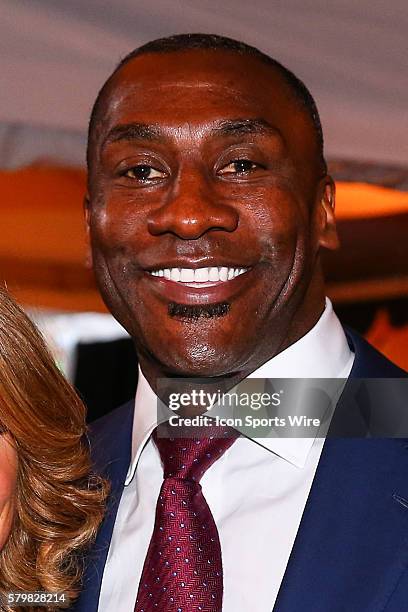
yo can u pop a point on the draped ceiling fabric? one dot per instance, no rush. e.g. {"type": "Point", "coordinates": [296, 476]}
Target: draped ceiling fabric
{"type": "Point", "coordinates": [55, 54]}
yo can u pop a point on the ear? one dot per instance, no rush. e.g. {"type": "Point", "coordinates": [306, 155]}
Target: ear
{"type": "Point", "coordinates": [87, 213]}
{"type": "Point", "coordinates": [327, 230]}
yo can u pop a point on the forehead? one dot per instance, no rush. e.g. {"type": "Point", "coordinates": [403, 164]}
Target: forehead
{"type": "Point", "coordinates": [195, 88]}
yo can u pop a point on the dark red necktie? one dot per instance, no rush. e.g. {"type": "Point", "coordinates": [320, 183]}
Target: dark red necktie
{"type": "Point", "coordinates": [183, 568]}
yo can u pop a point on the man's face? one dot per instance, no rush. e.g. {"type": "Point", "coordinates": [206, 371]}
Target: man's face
{"type": "Point", "coordinates": [207, 210]}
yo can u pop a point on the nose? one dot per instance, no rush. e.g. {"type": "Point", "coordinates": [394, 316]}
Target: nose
{"type": "Point", "coordinates": [192, 209]}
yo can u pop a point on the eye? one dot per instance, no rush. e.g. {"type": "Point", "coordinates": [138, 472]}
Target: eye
{"type": "Point", "coordinates": [144, 172]}
{"type": "Point", "coordinates": [239, 166]}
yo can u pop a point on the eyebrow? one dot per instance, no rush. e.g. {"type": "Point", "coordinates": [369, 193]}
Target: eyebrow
{"type": "Point", "coordinates": [228, 127]}
{"type": "Point", "coordinates": [241, 127]}
{"type": "Point", "coordinates": [133, 131]}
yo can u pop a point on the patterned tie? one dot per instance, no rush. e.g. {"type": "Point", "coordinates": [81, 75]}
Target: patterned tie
{"type": "Point", "coordinates": [183, 568]}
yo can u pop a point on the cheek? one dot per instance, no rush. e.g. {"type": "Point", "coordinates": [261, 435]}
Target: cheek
{"type": "Point", "coordinates": [8, 477]}
{"type": "Point", "coordinates": [117, 236]}
{"type": "Point", "coordinates": [7, 509]}
{"type": "Point", "coordinates": [115, 227]}
{"type": "Point", "coordinates": [276, 222]}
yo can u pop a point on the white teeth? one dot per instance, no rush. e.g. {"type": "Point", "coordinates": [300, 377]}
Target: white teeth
{"type": "Point", "coordinates": [223, 272]}
{"type": "Point", "coordinates": [213, 274]}
{"type": "Point", "coordinates": [199, 275]}
{"type": "Point", "coordinates": [186, 275]}
{"type": "Point", "coordinates": [175, 274]}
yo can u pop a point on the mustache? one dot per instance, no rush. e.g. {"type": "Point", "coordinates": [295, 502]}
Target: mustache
{"type": "Point", "coordinates": [198, 311]}
{"type": "Point", "coordinates": [170, 251]}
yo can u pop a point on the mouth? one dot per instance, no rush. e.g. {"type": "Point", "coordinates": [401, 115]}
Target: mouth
{"type": "Point", "coordinates": [198, 285]}
{"type": "Point", "coordinates": [199, 277]}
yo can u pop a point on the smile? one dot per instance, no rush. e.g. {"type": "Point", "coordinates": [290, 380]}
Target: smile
{"type": "Point", "coordinates": [193, 277]}
{"type": "Point", "coordinates": [199, 285]}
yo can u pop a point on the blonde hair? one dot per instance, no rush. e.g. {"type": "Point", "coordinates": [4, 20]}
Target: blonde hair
{"type": "Point", "coordinates": [59, 503]}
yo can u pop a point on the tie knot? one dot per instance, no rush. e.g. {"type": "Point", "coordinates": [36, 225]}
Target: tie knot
{"type": "Point", "coordinates": [190, 457]}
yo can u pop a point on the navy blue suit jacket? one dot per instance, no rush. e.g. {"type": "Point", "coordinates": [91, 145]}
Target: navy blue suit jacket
{"type": "Point", "coordinates": [351, 550]}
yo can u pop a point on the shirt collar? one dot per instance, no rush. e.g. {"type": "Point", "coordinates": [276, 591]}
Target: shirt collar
{"type": "Point", "coordinates": [144, 421]}
{"type": "Point", "coordinates": [323, 352]}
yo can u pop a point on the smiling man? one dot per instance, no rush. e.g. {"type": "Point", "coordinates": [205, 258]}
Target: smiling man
{"type": "Point", "coordinates": [208, 205]}
{"type": "Point", "coordinates": [208, 191]}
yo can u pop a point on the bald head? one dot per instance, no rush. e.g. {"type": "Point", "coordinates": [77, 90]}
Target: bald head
{"type": "Point", "coordinates": [186, 42]}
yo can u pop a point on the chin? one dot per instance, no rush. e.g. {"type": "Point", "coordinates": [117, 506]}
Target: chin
{"type": "Point", "coordinates": [203, 361]}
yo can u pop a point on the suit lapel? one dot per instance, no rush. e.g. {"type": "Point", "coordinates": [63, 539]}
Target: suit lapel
{"type": "Point", "coordinates": [351, 551]}
{"type": "Point", "coordinates": [111, 439]}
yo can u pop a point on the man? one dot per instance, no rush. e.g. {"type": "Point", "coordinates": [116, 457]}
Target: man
{"type": "Point", "coordinates": [209, 203]}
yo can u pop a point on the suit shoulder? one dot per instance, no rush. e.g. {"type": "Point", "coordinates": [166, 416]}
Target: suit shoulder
{"type": "Point", "coordinates": [110, 439]}
{"type": "Point", "coordinates": [369, 362]}
{"type": "Point", "coordinates": [118, 419]}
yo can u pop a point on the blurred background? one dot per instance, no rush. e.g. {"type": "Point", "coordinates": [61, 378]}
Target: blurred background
{"type": "Point", "coordinates": [54, 57]}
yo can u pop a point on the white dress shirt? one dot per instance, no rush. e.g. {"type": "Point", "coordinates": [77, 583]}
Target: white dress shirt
{"type": "Point", "coordinates": [256, 491]}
